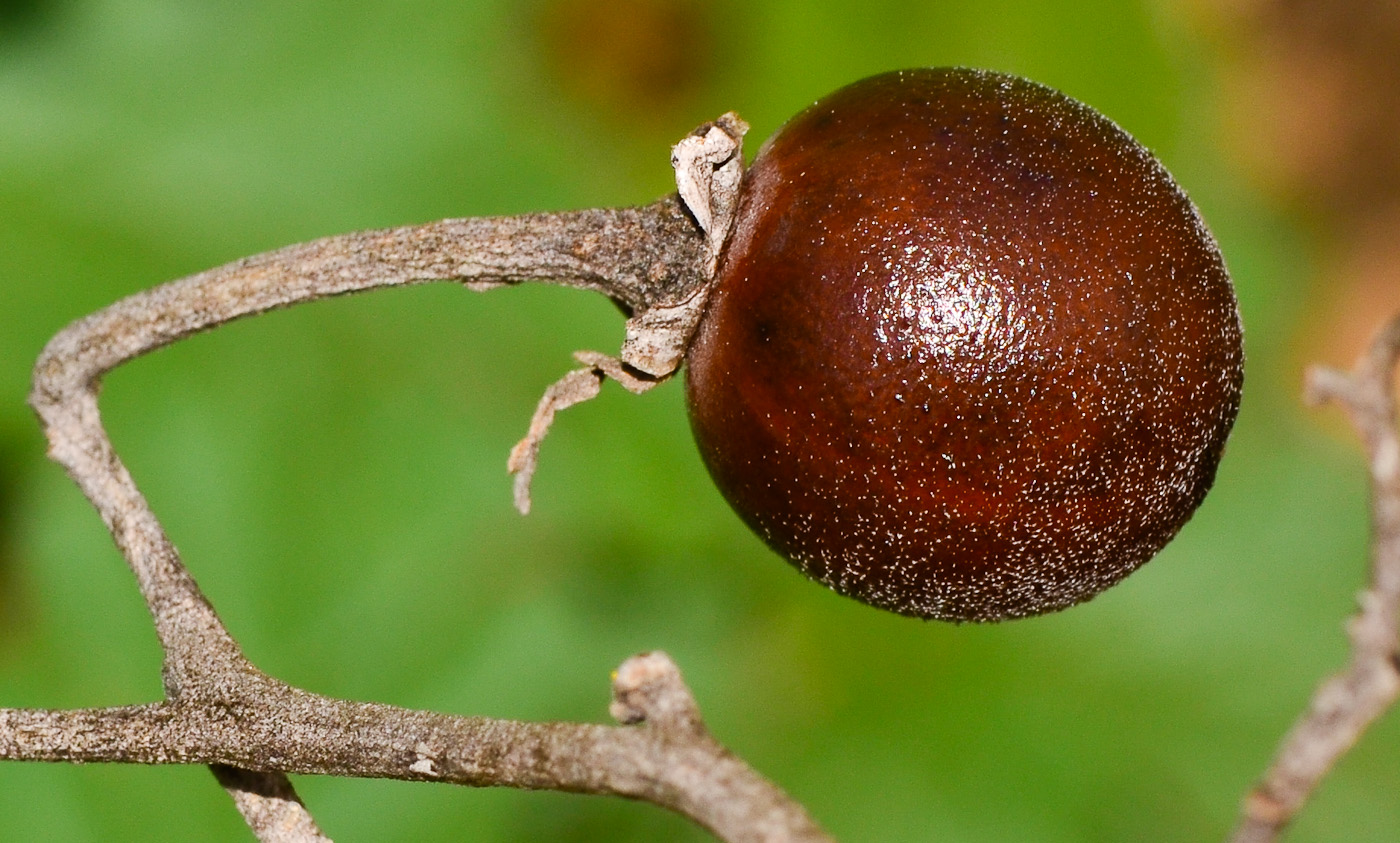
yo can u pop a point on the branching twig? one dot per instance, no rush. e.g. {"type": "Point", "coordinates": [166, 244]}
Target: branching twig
{"type": "Point", "coordinates": [220, 710]}
{"type": "Point", "coordinates": [1346, 704]}
{"type": "Point", "coordinates": [664, 756]}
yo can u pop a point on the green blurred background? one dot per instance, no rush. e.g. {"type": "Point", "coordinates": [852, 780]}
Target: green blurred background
{"type": "Point", "coordinates": [334, 474]}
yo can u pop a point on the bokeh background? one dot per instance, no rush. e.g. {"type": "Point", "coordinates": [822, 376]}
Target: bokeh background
{"type": "Point", "coordinates": [334, 474]}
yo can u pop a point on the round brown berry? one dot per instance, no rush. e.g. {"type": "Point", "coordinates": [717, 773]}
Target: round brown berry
{"type": "Point", "coordinates": [971, 353]}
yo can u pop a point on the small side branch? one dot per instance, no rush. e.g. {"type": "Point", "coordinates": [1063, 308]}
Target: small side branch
{"type": "Point", "coordinates": [1346, 704]}
{"type": "Point", "coordinates": [269, 805]}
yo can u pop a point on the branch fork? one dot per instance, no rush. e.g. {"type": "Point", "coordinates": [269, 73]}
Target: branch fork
{"type": "Point", "coordinates": [656, 262]}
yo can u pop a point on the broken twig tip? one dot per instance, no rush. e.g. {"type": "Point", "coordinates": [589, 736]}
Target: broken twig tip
{"type": "Point", "coordinates": [574, 388]}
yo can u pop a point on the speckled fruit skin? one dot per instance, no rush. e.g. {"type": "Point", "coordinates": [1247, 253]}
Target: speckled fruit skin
{"type": "Point", "coordinates": [971, 353]}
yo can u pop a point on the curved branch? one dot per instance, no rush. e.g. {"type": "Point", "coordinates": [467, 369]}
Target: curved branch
{"type": "Point", "coordinates": [640, 257]}
{"type": "Point", "coordinates": [1346, 704]}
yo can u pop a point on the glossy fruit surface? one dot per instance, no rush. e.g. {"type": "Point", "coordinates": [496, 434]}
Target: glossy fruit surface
{"type": "Point", "coordinates": [971, 353]}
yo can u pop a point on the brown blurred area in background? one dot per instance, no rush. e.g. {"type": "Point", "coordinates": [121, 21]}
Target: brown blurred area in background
{"type": "Point", "coordinates": [1311, 109]}
{"type": "Point", "coordinates": [638, 60]}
